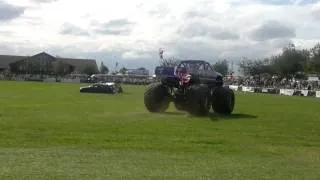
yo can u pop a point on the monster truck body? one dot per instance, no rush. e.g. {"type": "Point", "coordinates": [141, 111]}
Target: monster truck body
{"type": "Point", "coordinates": [193, 86]}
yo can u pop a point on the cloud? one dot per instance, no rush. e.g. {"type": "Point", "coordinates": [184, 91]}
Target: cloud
{"type": "Point", "coordinates": [131, 32]}
{"type": "Point", "coordinates": [288, 2]}
{"type": "Point", "coordinates": [161, 10]}
{"type": "Point", "coordinates": [6, 33]}
{"type": "Point", "coordinates": [272, 29]}
{"type": "Point", "coordinates": [195, 14]}
{"type": "Point", "coordinates": [43, 1]}
{"type": "Point", "coordinates": [206, 30]}
{"type": "Point", "coordinates": [315, 11]}
{"type": "Point", "coordinates": [9, 12]}
{"type": "Point", "coordinates": [70, 29]}
{"type": "Point", "coordinates": [114, 27]}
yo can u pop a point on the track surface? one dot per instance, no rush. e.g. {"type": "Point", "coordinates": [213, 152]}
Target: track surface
{"type": "Point", "coordinates": [51, 131]}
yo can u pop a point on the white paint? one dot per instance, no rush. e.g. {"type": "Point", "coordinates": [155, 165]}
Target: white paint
{"type": "Point", "coordinates": [247, 89]}
{"type": "Point", "coordinates": [287, 92]}
{"type": "Point", "coordinates": [304, 92]}
{"type": "Point", "coordinates": [234, 87]}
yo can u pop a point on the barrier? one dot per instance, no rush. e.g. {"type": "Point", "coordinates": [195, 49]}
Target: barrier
{"type": "Point", "coordinates": [304, 92]}
{"type": "Point", "coordinates": [50, 80]}
{"type": "Point", "coordinates": [247, 89]}
{"type": "Point", "coordinates": [234, 87]}
{"type": "Point", "coordinates": [287, 92]}
{"type": "Point", "coordinates": [70, 80]}
{"type": "Point", "coordinates": [18, 79]}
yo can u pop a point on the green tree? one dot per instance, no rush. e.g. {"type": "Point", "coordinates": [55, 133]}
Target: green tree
{"type": "Point", "coordinates": [123, 70]}
{"type": "Point", "coordinates": [104, 69]}
{"type": "Point", "coordinates": [90, 69]}
{"type": "Point", "coordinates": [314, 62]}
{"type": "Point", "coordinates": [291, 61]}
{"type": "Point", "coordinates": [221, 67]}
{"type": "Point", "coordinates": [169, 62]}
{"type": "Point", "coordinates": [61, 69]}
{"type": "Point", "coordinates": [256, 67]}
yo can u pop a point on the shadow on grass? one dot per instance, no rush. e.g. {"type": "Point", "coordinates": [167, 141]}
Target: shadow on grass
{"type": "Point", "coordinates": [174, 113]}
{"type": "Point", "coordinates": [215, 116]}
{"type": "Point", "coordinates": [125, 93]}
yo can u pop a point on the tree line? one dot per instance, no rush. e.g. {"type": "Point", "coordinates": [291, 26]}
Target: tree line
{"type": "Point", "coordinates": [291, 62]}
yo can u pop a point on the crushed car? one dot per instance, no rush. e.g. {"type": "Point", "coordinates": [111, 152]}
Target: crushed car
{"type": "Point", "coordinates": [103, 87]}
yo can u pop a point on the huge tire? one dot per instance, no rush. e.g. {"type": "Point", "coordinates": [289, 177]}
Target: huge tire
{"type": "Point", "coordinates": [156, 98]}
{"type": "Point", "coordinates": [180, 106]}
{"type": "Point", "coordinates": [223, 100]}
{"type": "Point", "coordinates": [199, 101]}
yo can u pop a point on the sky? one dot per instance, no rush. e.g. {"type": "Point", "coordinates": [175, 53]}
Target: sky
{"type": "Point", "coordinates": [131, 32]}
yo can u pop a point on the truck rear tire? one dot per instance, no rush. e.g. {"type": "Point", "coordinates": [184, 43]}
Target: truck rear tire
{"type": "Point", "coordinates": [156, 98]}
{"type": "Point", "coordinates": [199, 101]}
{"type": "Point", "coordinates": [223, 100]}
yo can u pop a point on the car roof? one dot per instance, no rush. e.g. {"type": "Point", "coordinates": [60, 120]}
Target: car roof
{"type": "Point", "coordinates": [106, 83]}
{"type": "Point", "coordinates": [109, 83]}
{"type": "Point", "coordinates": [193, 61]}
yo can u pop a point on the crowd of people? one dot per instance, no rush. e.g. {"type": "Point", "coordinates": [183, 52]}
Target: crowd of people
{"type": "Point", "coordinates": [250, 81]}
{"type": "Point", "coordinates": [274, 82]}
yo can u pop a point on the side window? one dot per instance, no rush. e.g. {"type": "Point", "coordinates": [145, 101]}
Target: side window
{"type": "Point", "coordinates": [201, 67]}
{"type": "Point", "coordinates": [208, 67]}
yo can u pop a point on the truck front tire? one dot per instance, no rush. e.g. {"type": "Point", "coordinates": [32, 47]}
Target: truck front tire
{"type": "Point", "coordinates": [156, 98]}
{"type": "Point", "coordinates": [199, 101]}
{"type": "Point", "coordinates": [223, 100]}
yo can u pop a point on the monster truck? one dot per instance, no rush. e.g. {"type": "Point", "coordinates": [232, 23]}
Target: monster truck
{"type": "Point", "coordinates": [193, 86]}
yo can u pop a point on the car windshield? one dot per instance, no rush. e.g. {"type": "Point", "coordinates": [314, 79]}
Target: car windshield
{"type": "Point", "coordinates": [95, 85]}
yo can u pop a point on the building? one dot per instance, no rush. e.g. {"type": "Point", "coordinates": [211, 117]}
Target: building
{"type": "Point", "coordinates": [43, 63]}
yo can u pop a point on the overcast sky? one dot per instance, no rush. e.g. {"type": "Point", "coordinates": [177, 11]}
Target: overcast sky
{"type": "Point", "coordinates": [132, 31]}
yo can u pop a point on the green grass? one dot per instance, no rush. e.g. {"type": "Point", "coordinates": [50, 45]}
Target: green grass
{"type": "Point", "coordinates": [51, 131]}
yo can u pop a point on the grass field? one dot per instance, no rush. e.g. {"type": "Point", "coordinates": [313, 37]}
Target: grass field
{"type": "Point", "coordinates": [51, 131]}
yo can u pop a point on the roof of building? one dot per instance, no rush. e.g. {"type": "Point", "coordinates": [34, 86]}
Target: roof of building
{"type": "Point", "coordinates": [79, 64]}
{"type": "Point", "coordinates": [5, 60]}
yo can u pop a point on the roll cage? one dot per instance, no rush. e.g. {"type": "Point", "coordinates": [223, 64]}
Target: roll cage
{"type": "Point", "coordinates": [194, 67]}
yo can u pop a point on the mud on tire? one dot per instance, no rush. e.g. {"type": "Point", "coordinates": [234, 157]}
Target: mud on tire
{"type": "Point", "coordinates": [223, 100]}
{"type": "Point", "coordinates": [156, 98]}
{"type": "Point", "coordinates": [199, 101]}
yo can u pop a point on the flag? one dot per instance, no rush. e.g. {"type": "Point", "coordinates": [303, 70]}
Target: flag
{"type": "Point", "coordinates": [117, 64]}
{"type": "Point", "coordinates": [161, 53]}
